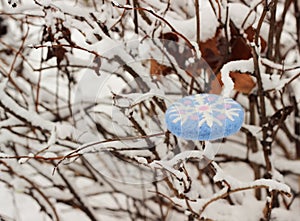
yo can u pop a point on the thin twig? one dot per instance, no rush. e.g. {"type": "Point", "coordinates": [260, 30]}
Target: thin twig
{"type": "Point", "coordinates": [197, 9]}
{"type": "Point", "coordinates": [161, 18]}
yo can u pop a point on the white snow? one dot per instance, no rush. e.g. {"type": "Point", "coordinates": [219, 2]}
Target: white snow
{"type": "Point", "coordinates": [49, 155]}
{"type": "Point", "coordinates": [241, 14]}
{"type": "Point", "coordinates": [240, 65]}
{"type": "Point", "coordinates": [31, 117]}
{"type": "Point", "coordinates": [188, 27]}
{"type": "Point", "coordinates": [273, 81]}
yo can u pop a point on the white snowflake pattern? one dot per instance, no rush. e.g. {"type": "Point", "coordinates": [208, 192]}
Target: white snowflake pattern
{"type": "Point", "coordinates": [207, 109]}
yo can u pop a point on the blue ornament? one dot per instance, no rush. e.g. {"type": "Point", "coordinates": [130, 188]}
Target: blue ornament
{"type": "Point", "coordinates": [204, 117]}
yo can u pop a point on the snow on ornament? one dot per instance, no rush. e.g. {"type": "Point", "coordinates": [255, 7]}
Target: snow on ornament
{"type": "Point", "coordinates": [204, 117]}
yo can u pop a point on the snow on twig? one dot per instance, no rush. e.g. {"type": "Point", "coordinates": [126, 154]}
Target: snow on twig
{"type": "Point", "coordinates": [29, 117]}
{"type": "Point", "coordinates": [240, 65]}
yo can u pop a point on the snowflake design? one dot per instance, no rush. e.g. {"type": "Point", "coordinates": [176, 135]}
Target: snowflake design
{"type": "Point", "coordinates": [202, 108]}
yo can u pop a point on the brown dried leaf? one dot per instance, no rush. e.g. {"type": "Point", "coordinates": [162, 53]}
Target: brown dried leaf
{"type": "Point", "coordinates": [157, 69]}
{"type": "Point", "coordinates": [212, 51]}
{"type": "Point", "coordinates": [243, 82]}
